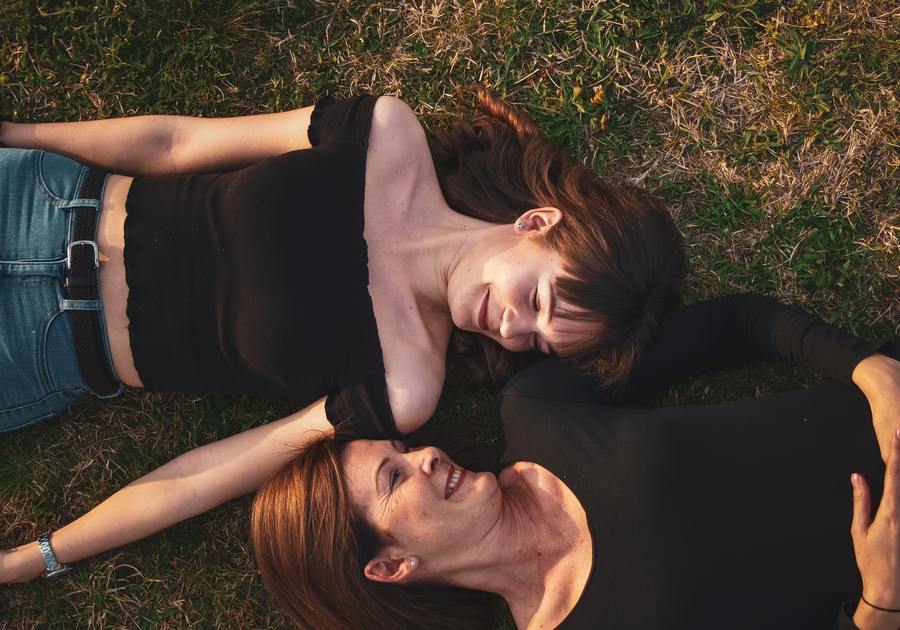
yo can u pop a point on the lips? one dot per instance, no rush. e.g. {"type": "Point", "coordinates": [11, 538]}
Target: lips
{"type": "Point", "coordinates": [483, 311]}
{"type": "Point", "coordinates": [455, 478]}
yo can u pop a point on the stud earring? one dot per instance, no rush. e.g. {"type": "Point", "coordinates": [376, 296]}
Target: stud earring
{"type": "Point", "coordinates": [520, 225]}
{"type": "Point", "coordinates": [413, 562]}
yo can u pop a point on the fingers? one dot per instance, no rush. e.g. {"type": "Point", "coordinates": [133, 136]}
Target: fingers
{"type": "Point", "coordinates": [891, 498]}
{"type": "Point", "coordinates": [862, 507]}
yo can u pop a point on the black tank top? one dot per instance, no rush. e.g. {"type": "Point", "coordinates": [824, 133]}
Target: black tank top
{"type": "Point", "coordinates": [256, 280]}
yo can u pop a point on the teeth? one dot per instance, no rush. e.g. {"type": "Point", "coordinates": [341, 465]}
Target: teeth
{"type": "Point", "coordinates": [454, 479]}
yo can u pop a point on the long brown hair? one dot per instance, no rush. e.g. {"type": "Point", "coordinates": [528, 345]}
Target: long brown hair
{"type": "Point", "coordinates": [620, 250]}
{"type": "Point", "coordinates": [311, 550]}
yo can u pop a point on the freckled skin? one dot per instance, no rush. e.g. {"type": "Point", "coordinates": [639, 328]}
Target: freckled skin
{"type": "Point", "coordinates": [420, 520]}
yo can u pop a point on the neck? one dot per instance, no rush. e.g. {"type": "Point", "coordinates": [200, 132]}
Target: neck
{"type": "Point", "coordinates": [532, 534]}
{"type": "Point", "coordinates": [434, 247]}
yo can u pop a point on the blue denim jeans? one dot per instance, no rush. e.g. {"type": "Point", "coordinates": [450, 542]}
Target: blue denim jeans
{"type": "Point", "coordinates": [39, 374]}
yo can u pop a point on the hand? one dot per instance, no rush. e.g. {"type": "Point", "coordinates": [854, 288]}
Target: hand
{"type": "Point", "coordinates": [878, 377]}
{"type": "Point", "coordinates": [876, 544]}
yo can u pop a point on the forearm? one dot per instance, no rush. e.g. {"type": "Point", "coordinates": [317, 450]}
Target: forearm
{"type": "Point", "coordinates": [139, 145]}
{"type": "Point", "coordinates": [878, 377]}
{"type": "Point", "coordinates": [160, 145]}
{"type": "Point", "coordinates": [867, 618]}
{"type": "Point", "coordinates": [190, 484]}
{"type": "Point", "coordinates": [134, 512]}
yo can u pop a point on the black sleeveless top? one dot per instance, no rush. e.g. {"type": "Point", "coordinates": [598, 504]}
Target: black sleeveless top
{"type": "Point", "coordinates": [256, 280]}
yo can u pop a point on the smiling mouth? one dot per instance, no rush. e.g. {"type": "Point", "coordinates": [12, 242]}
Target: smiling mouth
{"type": "Point", "coordinates": [483, 312]}
{"type": "Point", "coordinates": [455, 478]}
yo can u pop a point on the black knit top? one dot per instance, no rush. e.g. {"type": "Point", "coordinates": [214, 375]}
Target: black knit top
{"type": "Point", "coordinates": [256, 280]}
{"type": "Point", "coordinates": [720, 516]}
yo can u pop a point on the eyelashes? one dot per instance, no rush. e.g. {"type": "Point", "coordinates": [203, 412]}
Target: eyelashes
{"type": "Point", "coordinates": [402, 447]}
{"type": "Point", "coordinates": [392, 481]}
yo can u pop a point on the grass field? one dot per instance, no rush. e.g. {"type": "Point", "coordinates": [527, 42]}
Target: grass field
{"type": "Point", "coordinates": [771, 129]}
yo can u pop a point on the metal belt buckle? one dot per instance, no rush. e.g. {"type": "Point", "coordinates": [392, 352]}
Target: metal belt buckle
{"type": "Point", "coordinates": [93, 244]}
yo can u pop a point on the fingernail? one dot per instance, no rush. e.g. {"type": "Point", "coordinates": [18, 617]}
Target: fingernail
{"type": "Point", "coordinates": [897, 434]}
{"type": "Point", "coordinates": [854, 479]}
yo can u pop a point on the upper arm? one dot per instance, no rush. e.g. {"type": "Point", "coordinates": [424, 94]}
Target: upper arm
{"type": "Point", "coordinates": [218, 144]}
{"type": "Point", "coordinates": [414, 390]}
{"type": "Point", "coordinates": [396, 137]}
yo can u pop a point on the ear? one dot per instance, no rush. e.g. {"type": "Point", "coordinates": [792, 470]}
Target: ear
{"type": "Point", "coordinates": [389, 570]}
{"type": "Point", "coordinates": [539, 220]}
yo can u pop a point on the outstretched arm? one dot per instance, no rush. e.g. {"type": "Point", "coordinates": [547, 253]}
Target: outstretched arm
{"type": "Point", "coordinates": [190, 484]}
{"type": "Point", "coordinates": [161, 145]}
{"type": "Point", "coordinates": [723, 332]}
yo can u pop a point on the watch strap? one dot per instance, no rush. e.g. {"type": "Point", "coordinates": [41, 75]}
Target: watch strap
{"type": "Point", "coordinates": [53, 565]}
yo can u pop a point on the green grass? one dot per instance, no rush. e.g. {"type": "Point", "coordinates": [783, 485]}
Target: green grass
{"type": "Point", "coordinates": [770, 128]}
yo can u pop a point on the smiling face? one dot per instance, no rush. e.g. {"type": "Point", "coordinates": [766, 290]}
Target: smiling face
{"type": "Point", "coordinates": [419, 502]}
{"type": "Point", "coordinates": [507, 292]}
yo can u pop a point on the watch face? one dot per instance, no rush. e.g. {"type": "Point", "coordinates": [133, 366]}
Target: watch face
{"type": "Point", "coordinates": [58, 571]}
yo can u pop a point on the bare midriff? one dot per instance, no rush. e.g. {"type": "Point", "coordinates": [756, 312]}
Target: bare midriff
{"type": "Point", "coordinates": [113, 288]}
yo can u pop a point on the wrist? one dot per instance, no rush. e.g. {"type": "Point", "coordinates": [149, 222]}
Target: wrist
{"type": "Point", "coordinates": [868, 618]}
{"type": "Point", "coordinates": [875, 371]}
{"type": "Point", "coordinates": [25, 563]}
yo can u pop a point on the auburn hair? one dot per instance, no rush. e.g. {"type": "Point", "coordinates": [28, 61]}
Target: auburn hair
{"type": "Point", "coordinates": [311, 550]}
{"type": "Point", "coordinates": [621, 253]}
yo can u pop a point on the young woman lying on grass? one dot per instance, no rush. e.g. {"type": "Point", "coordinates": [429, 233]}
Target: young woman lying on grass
{"type": "Point", "coordinates": [327, 252]}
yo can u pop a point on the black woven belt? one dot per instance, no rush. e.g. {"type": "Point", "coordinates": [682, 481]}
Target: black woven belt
{"type": "Point", "coordinates": [82, 283]}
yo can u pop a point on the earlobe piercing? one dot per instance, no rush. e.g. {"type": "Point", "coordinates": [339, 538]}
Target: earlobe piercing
{"type": "Point", "coordinates": [413, 562]}
{"type": "Point", "coordinates": [520, 225]}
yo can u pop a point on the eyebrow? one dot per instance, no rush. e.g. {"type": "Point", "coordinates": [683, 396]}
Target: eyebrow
{"type": "Point", "coordinates": [550, 313]}
{"type": "Point", "coordinates": [552, 304]}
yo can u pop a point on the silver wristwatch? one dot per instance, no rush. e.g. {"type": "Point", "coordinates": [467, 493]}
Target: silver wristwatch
{"type": "Point", "coordinates": [53, 565]}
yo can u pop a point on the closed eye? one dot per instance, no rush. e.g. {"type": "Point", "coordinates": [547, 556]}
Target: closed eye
{"type": "Point", "coordinates": [392, 480]}
{"type": "Point", "coordinates": [394, 477]}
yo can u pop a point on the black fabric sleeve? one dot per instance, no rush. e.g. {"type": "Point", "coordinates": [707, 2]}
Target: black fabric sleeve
{"type": "Point", "coordinates": [362, 412]}
{"type": "Point", "coordinates": [844, 619]}
{"type": "Point", "coordinates": [345, 119]}
{"type": "Point", "coordinates": [708, 336]}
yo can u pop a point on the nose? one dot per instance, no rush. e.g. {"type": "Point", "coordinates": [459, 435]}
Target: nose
{"type": "Point", "coordinates": [512, 325]}
{"type": "Point", "coordinates": [429, 459]}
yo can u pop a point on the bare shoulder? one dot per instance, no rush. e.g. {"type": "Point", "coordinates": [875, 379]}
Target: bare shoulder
{"type": "Point", "coordinates": [396, 138]}
{"type": "Point", "coordinates": [414, 382]}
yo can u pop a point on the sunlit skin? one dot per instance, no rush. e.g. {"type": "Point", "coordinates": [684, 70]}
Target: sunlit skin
{"type": "Point", "coordinates": [403, 495]}
{"type": "Point", "coordinates": [507, 290]}
{"type": "Point", "coordinates": [532, 547]}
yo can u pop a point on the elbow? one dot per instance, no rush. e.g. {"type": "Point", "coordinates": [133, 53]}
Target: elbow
{"type": "Point", "coordinates": [168, 146]}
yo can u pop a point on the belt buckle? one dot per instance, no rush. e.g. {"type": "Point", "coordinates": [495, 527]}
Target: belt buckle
{"type": "Point", "coordinates": [93, 245]}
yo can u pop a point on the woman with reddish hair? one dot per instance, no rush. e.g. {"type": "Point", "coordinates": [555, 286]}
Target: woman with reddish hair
{"type": "Point", "coordinates": [695, 518]}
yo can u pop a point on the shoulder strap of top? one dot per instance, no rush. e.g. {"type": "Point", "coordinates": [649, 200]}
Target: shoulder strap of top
{"type": "Point", "coordinates": [345, 120]}
{"type": "Point", "coordinates": [362, 411]}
